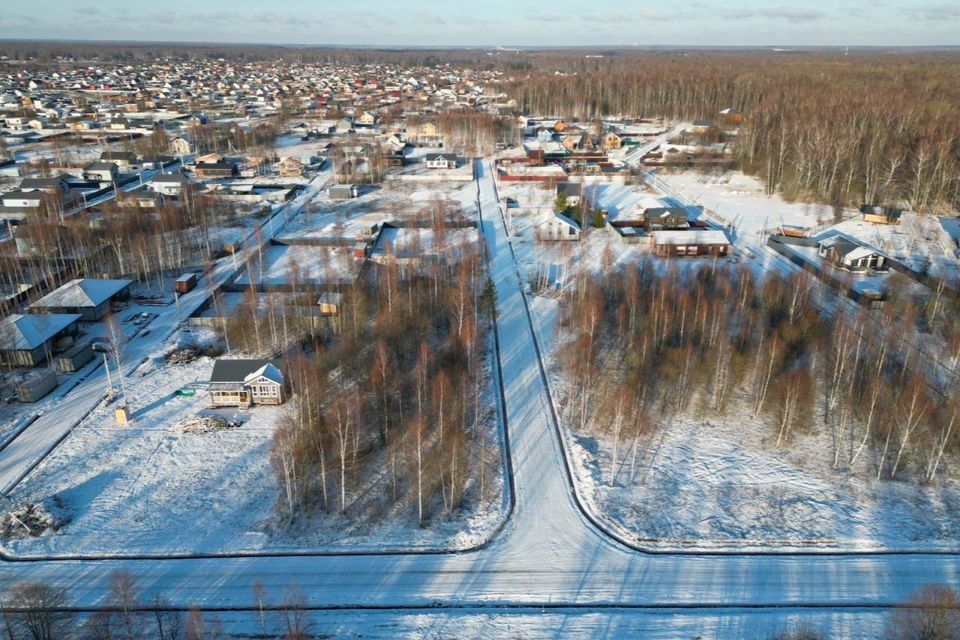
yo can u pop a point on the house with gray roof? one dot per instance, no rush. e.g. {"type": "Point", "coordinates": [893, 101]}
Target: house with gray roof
{"type": "Point", "coordinates": [28, 340]}
{"type": "Point", "coordinates": [88, 297]}
{"type": "Point", "coordinates": [244, 382]}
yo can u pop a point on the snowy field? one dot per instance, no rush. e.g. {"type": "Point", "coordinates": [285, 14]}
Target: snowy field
{"type": "Point", "coordinates": [739, 200]}
{"type": "Point", "coordinates": [548, 624]}
{"type": "Point", "coordinates": [306, 265]}
{"type": "Point", "coordinates": [719, 482]}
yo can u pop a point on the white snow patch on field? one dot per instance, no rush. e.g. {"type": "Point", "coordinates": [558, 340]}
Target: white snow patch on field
{"type": "Point", "coordinates": [739, 200]}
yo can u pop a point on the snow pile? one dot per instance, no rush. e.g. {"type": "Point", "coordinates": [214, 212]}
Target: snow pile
{"type": "Point", "coordinates": [204, 424]}
{"type": "Point", "coordinates": [29, 520]}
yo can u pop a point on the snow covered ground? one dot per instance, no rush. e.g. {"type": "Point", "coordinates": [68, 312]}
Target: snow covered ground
{"type": "Point", "coordinates": [739, 200]}
{"type": "Point", "coordinates": [719, 481]}
{"type": "Point", "coordinates": [534, 623]}
{"type": "Point", "coordinates": [548, 556]}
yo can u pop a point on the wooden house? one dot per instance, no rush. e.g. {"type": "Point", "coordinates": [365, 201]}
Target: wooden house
{"type": "Point", "coordinates": [243, 383]}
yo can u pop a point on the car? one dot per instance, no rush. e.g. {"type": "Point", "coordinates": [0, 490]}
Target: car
{"type": "Point", "coordinates": [102, 346]}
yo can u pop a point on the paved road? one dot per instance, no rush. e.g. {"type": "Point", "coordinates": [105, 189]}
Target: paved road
{"type": "Point", "coordinates": [547, 555]}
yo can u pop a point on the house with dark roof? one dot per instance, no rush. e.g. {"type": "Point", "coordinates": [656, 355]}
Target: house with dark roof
{"type": "Point", "coordinates": [101, 172]}
{"type": "Point", "coordinates": [878, 214]}
{"type": "Point", "coordinates": [215, 170]}
{"type": "Point", "coordinates": [242, 383]}
{"type": "Point", "coordinates": [125, 160]}
{"type": "Point", "coordinates": [846, 253]}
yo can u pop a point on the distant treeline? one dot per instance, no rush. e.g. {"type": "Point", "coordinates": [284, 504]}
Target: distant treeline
{"type": "Point", "coordinates": [818, 126]}
{"type": "Point", "coordinates": [39, 52]}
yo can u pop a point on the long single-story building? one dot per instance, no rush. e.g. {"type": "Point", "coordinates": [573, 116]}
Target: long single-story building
{"type": "Point", "coordinates": [27, 340]}
{"type": "Point", "coordinates": [88, 297]}
{"type": "Point", "coordinates": [695, 242]}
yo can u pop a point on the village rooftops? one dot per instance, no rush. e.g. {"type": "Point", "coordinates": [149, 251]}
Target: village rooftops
{"type": "Point", "coordinates": [28, 332]}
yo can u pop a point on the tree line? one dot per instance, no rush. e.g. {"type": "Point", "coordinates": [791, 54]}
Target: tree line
{"type": "Point", "coordinates": [645, 343]}
{"type": "Point", "coordinates": [842, 130]}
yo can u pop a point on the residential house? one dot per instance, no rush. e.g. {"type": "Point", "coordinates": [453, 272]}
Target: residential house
{"type": "Point", "coordinates": [556, 226]}
{"type": "Point", "coordinates": [217, 170]}
{"type": "Point", "coordinates": [20, 199]}
{"type": "Point", "coordinates": [695, 242]}
{"type": "Point", "coordinates": [101, 172]}
{"type": "Point", "coordinates": [168, 184]}
{"type": "Point", "coordinates": [665, 218]}
{"type": "Point", "coordinates": [125, 160]}
{"type": "Point", "coordinates": [441, 161]}
{"type": "Point", "coordinates": [612, 141]}
{"type": "Point", "coordinates": [846, 253]}
{"type": "Point", "coordinates": [181, 146]}
{"type": "Point", "coordinates": [425, 134]}
{"type": "Point", "coordinates": [52, 185]}
{"type": "Point", "coordinates": [242, 383]}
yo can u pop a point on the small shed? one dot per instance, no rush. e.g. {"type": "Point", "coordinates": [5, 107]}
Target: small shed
{"type": "Point", "coordinates": [879, 214]}
{"type": "Point", "coordinates": [330, 303]}
{"type": "Point", "coordinates": [343, 191]}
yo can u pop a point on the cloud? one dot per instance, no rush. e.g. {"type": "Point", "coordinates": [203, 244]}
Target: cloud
{"type": "Point", "coordinates": [788, 14]}
{"type": "Point", "coordinates": [623, 17]}
{"type": "Point", "coordinates": [429, 17]}
{"type": "Point", "coordinates": [935, 12]}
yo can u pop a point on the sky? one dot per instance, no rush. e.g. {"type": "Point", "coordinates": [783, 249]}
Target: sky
{"type": "Point", "coordinates": [492, 22]}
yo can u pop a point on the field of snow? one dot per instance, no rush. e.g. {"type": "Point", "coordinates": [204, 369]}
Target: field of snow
{"type": "Point", "coordinates": [309, 265]}
{"type": "Point", "coordinates": [719, 482]}
{"type": "Point", "coordinates": [534, 623]}
{"type": "Point", "coordinates": [739, 200]}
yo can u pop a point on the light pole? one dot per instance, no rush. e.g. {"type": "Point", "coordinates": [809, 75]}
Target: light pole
{"type": "Point", "coordinates": [106, 365]}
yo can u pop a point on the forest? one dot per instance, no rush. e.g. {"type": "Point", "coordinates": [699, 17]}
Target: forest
{"type": "Point", "coordinates": [645, 343]}
{"type": "Point", "coordinates": [392, 413]}
{"type": "Point", "coordinates": [826, 127]}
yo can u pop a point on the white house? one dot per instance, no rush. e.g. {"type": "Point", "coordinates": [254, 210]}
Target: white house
{"type": "Point", "coordinates": [556, 226]}
{"type": "Point", "coordinates": [441, 161]}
